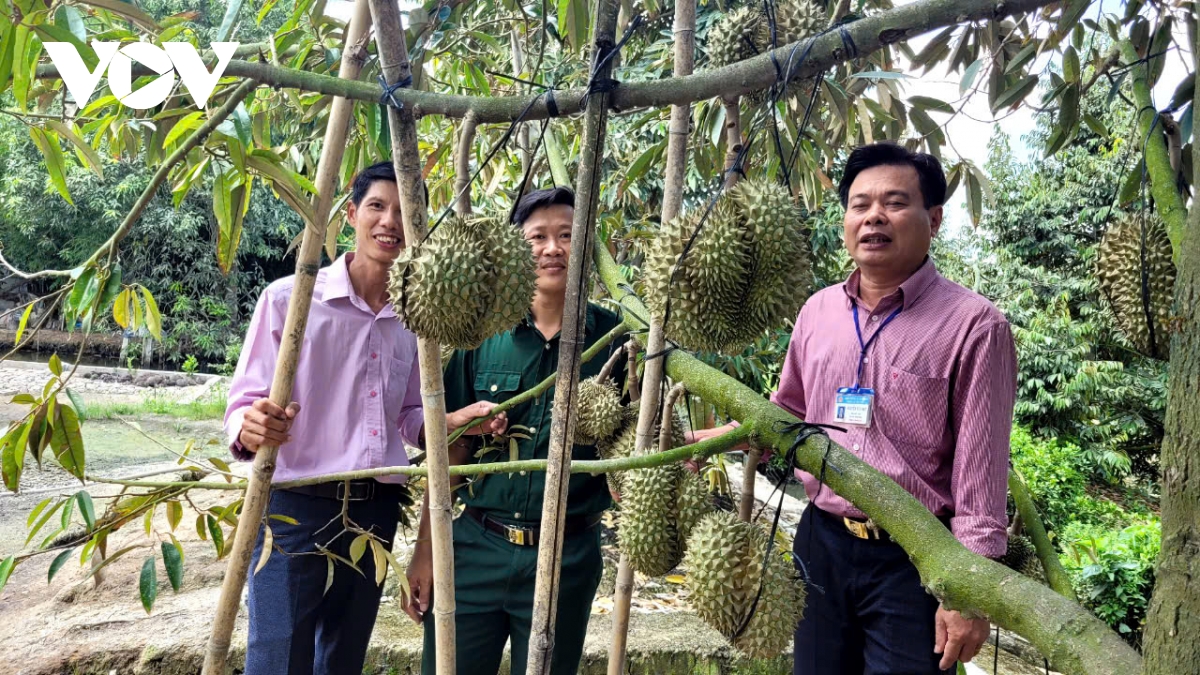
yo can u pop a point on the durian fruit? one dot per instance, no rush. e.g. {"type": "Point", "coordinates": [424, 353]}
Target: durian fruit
{"type": "Point", "coordinates": [737, 36]}
{"type": "Point", "coordinates": [1021, 556]}
{"type": "Point", "coordinates": [1120, 264]}
{"type": "Point", "coordinates": [599, 411]}
{"type": "Point", "coordinates": [798, 19]}
{"type": "Point", "coordinates": [472, 278]}
{"type": "Point", "coordinates": [620, 445]}
{"type": "Point", "coordinates": [748, 270]}
{"type": "Point", "coordinates": [725, 565]}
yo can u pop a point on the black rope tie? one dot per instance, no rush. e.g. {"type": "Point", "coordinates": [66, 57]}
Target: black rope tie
{"type": "Point", "coordinates": [551, 104]}
{"type": "Point", "coordinates": [802, 431]}
{"type": "Point", "coordinates": [389, 91]}
{"type": "Point", "coordinates": [605, 54]}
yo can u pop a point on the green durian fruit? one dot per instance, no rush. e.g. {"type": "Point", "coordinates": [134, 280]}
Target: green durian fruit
{"type": "Point", "coordinates": [472, 278]}
{"type": "Point", "coordinates": [1121, 264]}
{"type": "Point", "coordinates": [725, 565]}
{"type": "Point", "coordinates": [599, 413]}
{"type": "Point", "coordinates": [737, 36]}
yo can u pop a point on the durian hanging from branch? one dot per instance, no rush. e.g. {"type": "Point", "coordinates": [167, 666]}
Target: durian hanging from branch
{"type": "Point", "coordinates": [746, 32]}
{"type": "Point", "coordinates": [747, 270]}
{"type": "Point", "coordinates": [1137, 276]}
{"type": "Point", "coordinates": [470, 279]}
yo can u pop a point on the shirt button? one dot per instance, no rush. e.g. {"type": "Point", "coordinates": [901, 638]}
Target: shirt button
{"type": "Point", "coordinates": [522, 473]}
{"type": "Point", "coordinates": [875, 318]}
{"type": "Point", "coordinates": [373, 394]}
{"type": "Point", "coordinates": [494, 387]}
{"type": "Point", "coordinates": [517, 515]}
{"type": "Point", "coordinates": [547, 346]}
{"type": "Point", "coordinates": [857, 446]}
{"type": "Point", "coordinates": [375, 432]}
{"type": "Point", "coordinates": [374, 355]}
{"type": "Point", "coordinates": [533, 430]}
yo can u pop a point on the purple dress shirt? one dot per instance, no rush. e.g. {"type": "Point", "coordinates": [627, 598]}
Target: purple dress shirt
{"type": "Point", "coordinates": [944, 373]}
{"type": "Point", "coordinates": [357, 381]}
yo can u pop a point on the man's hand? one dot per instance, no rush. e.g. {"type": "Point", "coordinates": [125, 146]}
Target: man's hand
{"type": "Point", "coordinates": [705, 434]}
{"type": "Point", "coordinates": [958, 638]}
{"type": "Point", "coordinates": [420, 581]}
{"type": "Point", "coordinates": [266, 424]}
{"type": "Point", "coordinates": [464, 416]}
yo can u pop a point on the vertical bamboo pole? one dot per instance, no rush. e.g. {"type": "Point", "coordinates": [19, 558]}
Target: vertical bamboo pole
{"type": "Point", "coordinates": [684, 29]}
{"type": "Point", "coordinates": [307, 263]}
{"type": "Point", "coordinates": [394, 63]}
{"type": "Point", "coordinates": [462, 165]}
{"type": "Point", "coordinates": [749, 472]}
{"type": "Point", "coordinates": [562, 430]}
{"type": "Point", "coordinates": [733, 138]}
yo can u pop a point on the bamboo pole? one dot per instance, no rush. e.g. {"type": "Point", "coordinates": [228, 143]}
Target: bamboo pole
{"type": "Point", "coordinates": [562, 430]}
{"type": "Point", "coordinates": [749, 473]}
{"type": "Point", "coordinates": [462, 166]}
{"type": "Point", "coordinates": [733, 138]}
{"type": "Point", "coordinates": [394, 63]}
{"type": "Point", "coordinates": [258, 490]}
{"type": "Point", "coordinates": [684, 29]}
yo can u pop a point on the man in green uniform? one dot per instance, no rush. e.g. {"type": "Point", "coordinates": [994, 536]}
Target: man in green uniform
{"type": "Point", "coordinates": [496, 538]}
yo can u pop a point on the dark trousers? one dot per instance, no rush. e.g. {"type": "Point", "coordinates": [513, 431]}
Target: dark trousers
{"type": "Point", "coordinates": [493, 596]}
{"type": "Point", "coordinates": [873, 616]}
{"type": "Point", "coordinates": [297, 626]}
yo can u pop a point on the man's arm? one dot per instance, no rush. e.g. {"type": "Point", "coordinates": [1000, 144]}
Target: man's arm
{"type": "Point", "coordinates": [981, 413]}
{"type": "Point", "coordinates": [420, 568]}
{"type": "Point", "coordinates": [251, 419]}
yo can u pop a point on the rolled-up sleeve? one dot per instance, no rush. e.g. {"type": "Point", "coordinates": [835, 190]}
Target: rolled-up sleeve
{"type": "Point", "coordinates": [255, 369]}
{"type": "Point", "coordinates": [982, 401]}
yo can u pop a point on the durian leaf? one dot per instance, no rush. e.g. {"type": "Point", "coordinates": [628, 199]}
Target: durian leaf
{"type": "Point", "coordinates": [1015, 94]}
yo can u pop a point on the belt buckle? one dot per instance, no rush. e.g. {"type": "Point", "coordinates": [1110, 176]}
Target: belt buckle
{"type": "Point", "coordinates": [345, 493]}
{"type": "Point", "coordinates": [856, 528]}
{"type": "Point", "coordinates": [515, 535]}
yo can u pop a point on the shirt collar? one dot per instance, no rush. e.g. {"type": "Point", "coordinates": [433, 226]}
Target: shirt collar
{"type": "Point", "coordinates": [338, 285]}
{"type": "Point", "coordinates": [910, 291]}
{"type": "Point", "coordinates": [589, 321]}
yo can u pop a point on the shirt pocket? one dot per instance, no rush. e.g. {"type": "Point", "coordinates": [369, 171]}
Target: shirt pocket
{"type": "Point", "coordinates": [912, 409]}
{"type": "Point", "coordinates": [396, 385]}
{"type": "Point", "coordinates": [496, 385]}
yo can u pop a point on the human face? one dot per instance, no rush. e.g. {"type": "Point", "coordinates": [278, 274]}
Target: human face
{"type": "Point", "coordinates": [379, 232]}
{"type": "Point", "coordinates": [548, 230]}
{"type": "Point", "coordinates": [888, 230]}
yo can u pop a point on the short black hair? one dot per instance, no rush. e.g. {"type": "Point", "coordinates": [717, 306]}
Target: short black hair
{"type": "Point", "coordinates": [365, 178]}
{"type": "Point", "coordinates": [540, 199]}
{"type": "Point", "coordinates": [886, 153]}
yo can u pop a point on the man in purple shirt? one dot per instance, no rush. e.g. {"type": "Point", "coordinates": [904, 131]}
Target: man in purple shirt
{"type": "Point", "coordinates": [921, 375]}
{"type": "Point", "coordinates": [358, 383]}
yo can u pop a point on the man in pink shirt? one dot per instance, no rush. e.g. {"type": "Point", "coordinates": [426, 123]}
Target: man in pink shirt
{"type": "Point", "coordinates": [921, 375]}
{"type": "Point", "coordinates": [358, 384]}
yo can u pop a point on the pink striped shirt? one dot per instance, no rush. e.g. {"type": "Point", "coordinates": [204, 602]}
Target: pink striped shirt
{"type": "Point", "coordinates": [944, 374]}
{"type": "Point", "coordinates": [357, 380]}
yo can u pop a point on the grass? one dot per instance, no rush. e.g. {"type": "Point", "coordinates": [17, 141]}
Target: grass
{"type": "Point", "coordinates": [207, 408]}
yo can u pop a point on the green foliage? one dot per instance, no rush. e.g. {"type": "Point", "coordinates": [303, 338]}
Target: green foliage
{"type": "Point", "coordinates": [1113, 571]}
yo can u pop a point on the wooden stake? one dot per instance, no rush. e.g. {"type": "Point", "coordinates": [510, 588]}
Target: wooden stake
{"type": "Point", "coordinates": [677, 141]}
{"type": "Point", "coordinates": [308, 261]}
{"type": "Point", "coordinates": [562, 430]}
{"type": "Point", "coordinates": [393, 61]}
{"type": "Point", "coordinates": [749, 473]}
{"type": "Point", "coordinates": [733, 138]}
{"type": "Point", "coordinates": [462, 166]}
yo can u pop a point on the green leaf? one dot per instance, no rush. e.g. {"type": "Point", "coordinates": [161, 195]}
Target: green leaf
{"type": "Point", "coordinates": [24, 320]}
{"type": "Point", "coordinates": [55, 161]}
{"type": "Point", "coordinates": [358, 547]}
{"type": "Point", "coordinates": [23, 399]}
{"type": "Point", "coordinates": [49, 32]}
{"type": "Point", "coordinates": [43, 520]}
{"type": "Point", "coordinates": [112, 286]}
{"type": "Point", "coordinates": [283, 519]}
{"type": "Point", "coordinates": [231, 14]}
{"type": "Point", "coordinates": [37, 509]}
{"type": "Point", "coordinates": [91, 157]}
{"type": "Point", "coordinates": [262, 13]}
{"type": "Point", "coordinates": [173, 562]}
{"type": "Point", "coordinates": [573, 15]}
{"type": "Point", "coordinates": [218, 537]}
{"type": "Point", "coordinates": [267, 547]}
{"type": "Point", "coordinates": [87, 509]}
{"type": "Point", "coordinates": [39, 434]}
{"type": "Point", "coordinates": [121, 309]}
{"type": "Point", "coordinates": [68, 441]}
{"type": "Point", "coordinates": [174, 513]}
{"type": "Point", "coordinates": [20, 66]}
{"type": "Point", "coordinates": [135, 304]}
{"type": "Point", "coordinates": [242, 125]}
{"type": "Point", "coordinates": [6, 568]}
{"type": "Point", "coordinates": [9, 469]}
{"type": "Point", "coordinates": [934, 104]}
{"type": "Point", "coordinates": [76, 402]}
{"type": "Point", "coordinates": [1095, 125]}
{"type": "Point", "coordinates": [1015, 94]}
{"type": "Point", "coordinates": [328, 575]}
{"type": "Point", "coordinates": [7, 44]}
{"type": "Point", "coordinates": [55, 365]}
{"type": "Point", "coordinates": [59, 560]}
{"type": "Point", "coordinates": [148, 583]}
{"type": "Point", "coordinates": [1025, 55]}
{"type": "Point", "coordinates": [1131, 186]}
{"type": "Point", "coordinates": [1071, 69]}
{"type": "Point", "coordinates": [129, 11]}
{"type": "Point", "coordinates": [974, 197]}
{"type": "Point", "coordinates": [192, 121]}
{"type": "Point", "coordinates": [229, 232]}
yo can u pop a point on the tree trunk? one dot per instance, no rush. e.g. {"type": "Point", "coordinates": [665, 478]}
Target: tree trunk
{"type": "Point", "coordinates": [1172, 637]}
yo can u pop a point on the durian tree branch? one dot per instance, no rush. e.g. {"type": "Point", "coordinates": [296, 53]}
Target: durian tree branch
{"type": "Point", "coordinates": [562, 426]}
{"type": "Point", "coordinates": [543, 386]}
{"type": "Point", "coordinates": [1168, 202]}
{"type": "Point", "coordinates": [868, 34]}
{"type": "Point", "coordinates": [1074, 640]}
{"type": "Point", "coordinates": [397, 69]}
{"type": "Point", "coordinates": [1029, 519]}
{"type": "Point", "coordinates": [462, 165]}
{"type": "Point", "coordinates": [258, 489]}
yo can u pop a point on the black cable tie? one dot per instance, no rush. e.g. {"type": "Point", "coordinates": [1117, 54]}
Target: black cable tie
{"type": "Point", "coordinates": [388, 97]}
{"type": "Point", "coordinates": [551, 104]}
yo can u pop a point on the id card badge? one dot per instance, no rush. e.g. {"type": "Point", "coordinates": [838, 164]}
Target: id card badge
{"type": "Point", "coordinates": [852, 405]}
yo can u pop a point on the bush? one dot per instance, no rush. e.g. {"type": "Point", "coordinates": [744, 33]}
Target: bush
{"type": "Point", "coordinates": [1113, 571]}
{"type": "Point", "coordinates": [1051, 469]}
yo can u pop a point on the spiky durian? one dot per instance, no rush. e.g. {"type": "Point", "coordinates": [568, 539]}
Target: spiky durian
{"type": "Point", "coordinates": [725, 566]}
{"type": "Point", "coordinates": [1021, 556]}
{"type": "Point", "coordinates": [797, 19]}
{"type": "Point", "coordinates": [599, 413]}
{"type": "Point", "coordinates": [1136, 249]}
{"type": "Point", "coordinates": [472, 278]}
{"type": "Point", "coordinates": [737, 36]}
{"type": "Point", "coordinates": [747, 270]}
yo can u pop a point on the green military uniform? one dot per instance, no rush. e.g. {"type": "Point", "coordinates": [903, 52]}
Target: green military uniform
{"type": "Point", "coordinates": [494, 578]}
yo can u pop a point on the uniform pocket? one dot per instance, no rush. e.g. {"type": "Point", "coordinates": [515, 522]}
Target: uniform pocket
{"type": "Point", "coordinates": [912, 408]}
{"type": "Point", "coordinates": [496, 386]}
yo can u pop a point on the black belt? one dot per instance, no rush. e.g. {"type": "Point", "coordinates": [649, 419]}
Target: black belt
{"type": "Point", "coordinates": [528, 536]}
{"type": "Point", "coordinates": [351, 490]}
{"type": "Point", "coordinates": [864, 529]}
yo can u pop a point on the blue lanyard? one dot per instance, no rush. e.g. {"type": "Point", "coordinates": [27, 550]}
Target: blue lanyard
{"type": "Point", "coordinates": [864, 346]}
